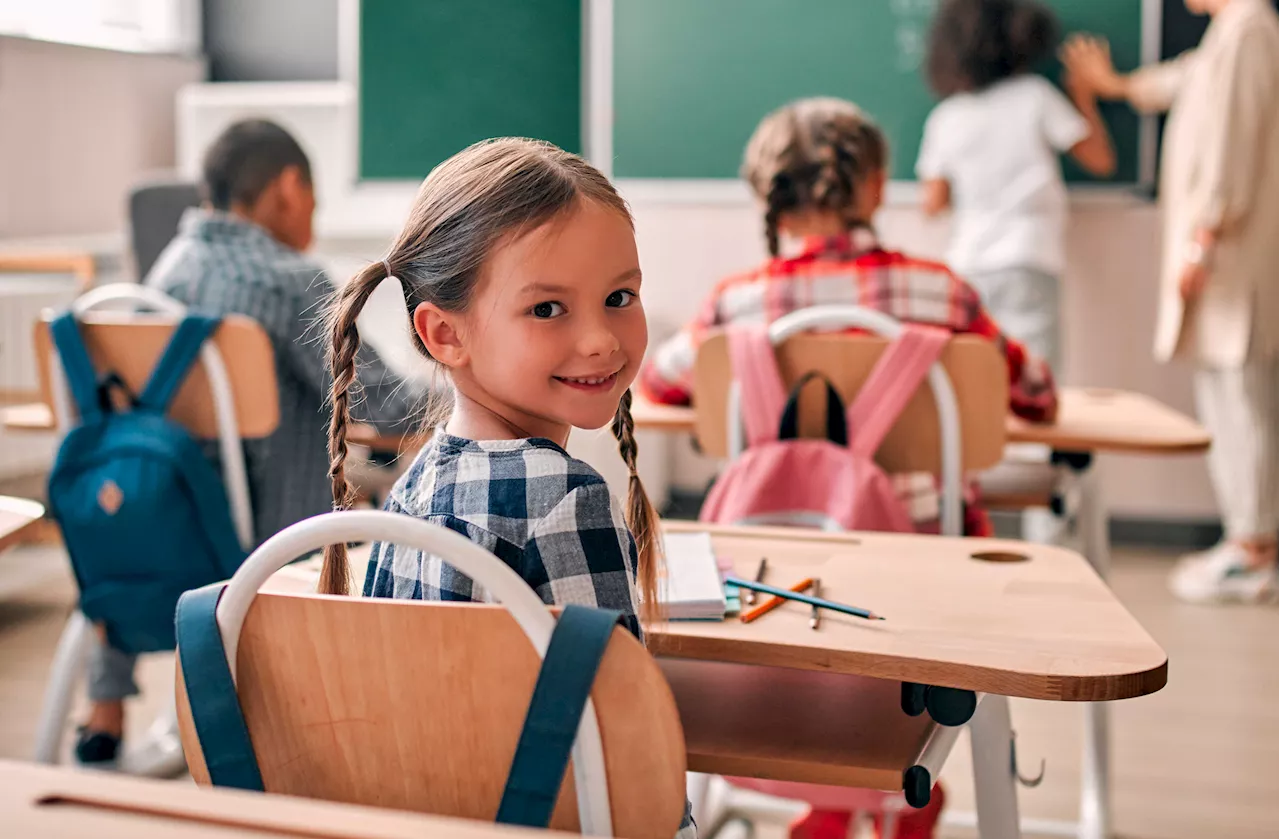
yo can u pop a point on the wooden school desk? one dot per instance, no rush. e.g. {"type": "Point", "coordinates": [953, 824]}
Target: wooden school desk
{"type": "Point", "coordinates": [776, 699]}
{"type": "Point", "coordinates": [18, 516]}
{"type": "Point", "coordinates": [40, 802]}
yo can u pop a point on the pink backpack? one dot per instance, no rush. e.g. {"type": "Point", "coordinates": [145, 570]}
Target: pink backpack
{"type": "Point", "coordinates": [832, 484]}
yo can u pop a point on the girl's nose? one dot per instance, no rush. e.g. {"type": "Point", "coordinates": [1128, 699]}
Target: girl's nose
{"type": "Point", "coordinates": [599, 340]}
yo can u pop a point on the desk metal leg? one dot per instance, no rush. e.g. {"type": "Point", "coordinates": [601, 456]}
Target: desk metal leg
{"type": "Point", "coordinates": [1095, 782]}
{"type": "Point", "coordinates": [994, 784]}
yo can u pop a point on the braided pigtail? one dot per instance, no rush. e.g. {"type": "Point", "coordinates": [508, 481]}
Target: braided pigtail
{"type": "Point", "coordinates": [344, 344]}
{"type": "Point", "coordinates": [780, 198]}
{"type": "Point", "coordinates": [642, 518]}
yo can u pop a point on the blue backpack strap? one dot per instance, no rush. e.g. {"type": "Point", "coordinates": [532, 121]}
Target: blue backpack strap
{"type": "Point", "coordinates": [211, 694]}
{"type": "Point", "coordinates": [564, 684]}
{"type": "Point", "coordinates": [176, 360]}
{"type": "Point", "coordinates": [82, 381]}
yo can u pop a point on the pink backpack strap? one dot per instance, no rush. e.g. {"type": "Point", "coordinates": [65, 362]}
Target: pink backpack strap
{"type": "Point", "coordinates": [755, 369]}
{"type": "Point", "coordinates": [893, 381]}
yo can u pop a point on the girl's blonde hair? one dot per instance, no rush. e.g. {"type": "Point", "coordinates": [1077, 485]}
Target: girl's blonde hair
{"type": "Point", "coordinates": [463, 209]}
{"type": "Point", "coordinates": [812, 154]}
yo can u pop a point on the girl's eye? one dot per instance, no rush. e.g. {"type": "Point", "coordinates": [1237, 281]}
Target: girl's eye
{"type": "Point", "coordinates": [546, 310]}
{"type": "Point", "coordinates": [620, 299]}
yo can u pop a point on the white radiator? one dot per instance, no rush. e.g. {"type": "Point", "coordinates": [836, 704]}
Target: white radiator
{"type": "Point", "coordinates": [22, 298]}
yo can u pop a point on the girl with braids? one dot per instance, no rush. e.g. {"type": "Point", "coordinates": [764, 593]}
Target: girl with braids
{"type": "Point", "coordinates": [990, 151]}
{"type": "Point", "coordinates": [518, 265]}
{"type": "Point", "coordinates": [818, 168]}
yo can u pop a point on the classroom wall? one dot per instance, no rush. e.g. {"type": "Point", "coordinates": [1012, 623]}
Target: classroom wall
{"type": "Point", "coordinates": [278, 40]}
{"type": "Point", "coordinates": [78, 127]}
{"type": "Point", "coordinates": [1109, 318]}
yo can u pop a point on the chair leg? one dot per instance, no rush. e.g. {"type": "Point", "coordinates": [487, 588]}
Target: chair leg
{"type": "Point", "coordinates": [991, 733]}
{"type": "Point", "coordinates": [64, 675]}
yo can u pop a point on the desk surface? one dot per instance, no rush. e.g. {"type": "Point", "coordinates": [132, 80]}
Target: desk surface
{"type": "Point", "coordinates": [1043, 627]}
{"type": "Point", "coordinates": [1089, 419]}
{"type": "Point", "coordinates": [41, 802]}
{"type": "Point", "coordinates": [17, 516]}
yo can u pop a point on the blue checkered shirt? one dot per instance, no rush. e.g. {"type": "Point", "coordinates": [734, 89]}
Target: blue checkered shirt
{"type": "Point", "coordinates": [548, 516]}
{"type": "Point", "coordinates": [221, 264]}
{"type": "Point", "coordinates": [545, 514]}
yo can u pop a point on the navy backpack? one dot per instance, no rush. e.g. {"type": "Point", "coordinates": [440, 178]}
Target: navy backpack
{"type": "Point", "coordinates": [142, 510]}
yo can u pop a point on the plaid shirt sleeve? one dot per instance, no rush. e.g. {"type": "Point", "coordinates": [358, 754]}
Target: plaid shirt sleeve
{"type": "Point", "coordinates": [1032, 392]}
{"type": "Point", "coordinates": [667, 377]}
{"type": "Point", "coordinates": [581, 552]}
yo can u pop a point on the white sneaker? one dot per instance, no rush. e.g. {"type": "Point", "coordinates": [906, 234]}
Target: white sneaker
{"type": "Point", "coordinates": [1222, 575]}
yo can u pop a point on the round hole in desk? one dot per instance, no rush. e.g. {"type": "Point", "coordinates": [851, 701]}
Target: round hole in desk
{"type": "Point", "coordinates": [1000, 556]}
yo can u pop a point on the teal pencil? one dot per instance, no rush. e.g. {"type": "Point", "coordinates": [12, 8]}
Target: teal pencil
{"type": "Point", "coordinates": [821, 603]}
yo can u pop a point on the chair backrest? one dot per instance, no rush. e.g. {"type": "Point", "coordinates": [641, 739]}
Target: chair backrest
{"type": "Point", "coordinates": [971, 414]}
{"type": "Point", "coordinates": [231, 396]}
{"type": "Point", "coordinates": [419, 706]}
{"type": "Point", "coordinates": [154, 212]}
{"type": "Point", "coordinates": [973, 364]}
{"type": "Point", "coordinates": [130, 345]}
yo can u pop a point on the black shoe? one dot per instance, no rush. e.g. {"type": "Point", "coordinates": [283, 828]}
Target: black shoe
{"type": "Point", "coordinates": [96, 749]}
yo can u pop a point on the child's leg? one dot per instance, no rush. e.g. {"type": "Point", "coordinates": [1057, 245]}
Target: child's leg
{"type": "Point", "coordinates": [110, 683]}
{"type": "Point", "coordinates": [1026, 303]}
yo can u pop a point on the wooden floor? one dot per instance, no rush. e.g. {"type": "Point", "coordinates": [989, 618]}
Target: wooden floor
{"type": "Point", "coordinates": [1196, 761]}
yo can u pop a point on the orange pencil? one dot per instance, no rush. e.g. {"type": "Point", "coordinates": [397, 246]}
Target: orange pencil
{"type": "Point", "coordinates": [774, 602]}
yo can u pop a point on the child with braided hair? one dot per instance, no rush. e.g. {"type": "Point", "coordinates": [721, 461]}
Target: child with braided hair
{"type": "Point", "coordinates": [818, 168]}
{"type": "Point", "coordinates": [519, 269]}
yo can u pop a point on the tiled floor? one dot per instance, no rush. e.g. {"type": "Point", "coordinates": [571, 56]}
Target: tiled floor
{"type": "Point", "coordinates": [1196, 761]}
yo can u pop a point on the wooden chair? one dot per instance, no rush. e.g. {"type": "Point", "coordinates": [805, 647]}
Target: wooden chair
{"type": "Point", "coordinates": [946, 430]}
{"type": "Point", "coordinates": [418, 705]}
{"type": "Point", "coordinates": [230, 396]}
{"type": "Point", "coordinates": [919, 442]}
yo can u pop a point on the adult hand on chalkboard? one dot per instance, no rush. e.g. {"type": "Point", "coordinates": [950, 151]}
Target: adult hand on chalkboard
{"type": "Point", "coordinates": [1088, 62]}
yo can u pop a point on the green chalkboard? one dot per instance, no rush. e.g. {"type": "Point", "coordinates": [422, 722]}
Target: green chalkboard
{"type": "Point", "coordinates": [438, 75]}
{"type": "Point", "coordinates": [693, 77]}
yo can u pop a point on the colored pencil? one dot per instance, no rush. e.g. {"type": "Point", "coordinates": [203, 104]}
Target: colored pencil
{"type": "Point", "coordinates": [821, 603]}
{"type": "Point", "coordinates": [775, 601]}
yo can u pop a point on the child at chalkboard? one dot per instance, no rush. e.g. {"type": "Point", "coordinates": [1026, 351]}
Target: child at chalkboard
{"type": "Point", "coordinates": [990, 151]}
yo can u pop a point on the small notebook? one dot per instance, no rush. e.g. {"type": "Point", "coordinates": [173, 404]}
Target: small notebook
{"type": "Point", "coordinates": [692, 588]}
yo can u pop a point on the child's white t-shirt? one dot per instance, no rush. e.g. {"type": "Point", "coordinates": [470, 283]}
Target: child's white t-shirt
{"type": "Point", "coordinates": [998, 149]}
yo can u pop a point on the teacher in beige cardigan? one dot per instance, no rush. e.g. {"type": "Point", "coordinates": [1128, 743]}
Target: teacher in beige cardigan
{"type": "Point", "coordinates": [1219, 188]}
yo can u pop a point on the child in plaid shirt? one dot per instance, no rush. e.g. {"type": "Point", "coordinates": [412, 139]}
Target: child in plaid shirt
{"type": "Point", "coordinates": [519, 269]}
{"type": "Point", "coordinates": [819, 168]}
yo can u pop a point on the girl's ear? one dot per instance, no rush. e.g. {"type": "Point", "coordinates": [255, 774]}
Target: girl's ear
{"type": "Point", "coordinates": [441, 334]}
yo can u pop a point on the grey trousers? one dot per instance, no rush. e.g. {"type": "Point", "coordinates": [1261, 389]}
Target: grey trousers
{"type": "Point", "coordinates": [1026, 303]}
{"type": "Point", "coordinates": [110, 673]}
{"type": "Point", "coordinates": [1238, 407]}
